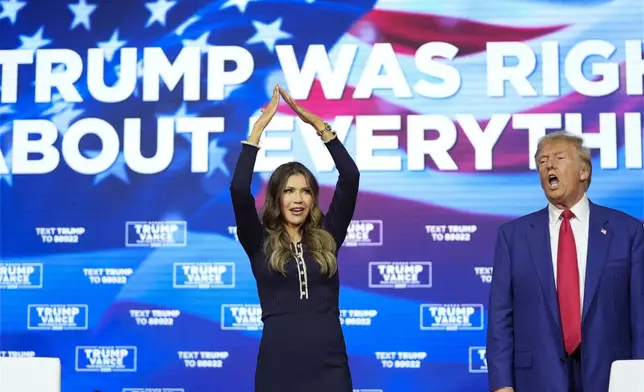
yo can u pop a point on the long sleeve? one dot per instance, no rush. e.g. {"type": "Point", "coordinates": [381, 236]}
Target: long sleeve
{"type": "Point", "coordinates": [249, 228]}
{"type": "Point", "coordinates": [343, 204]}
{"type": "Point", "coordinates": [500, 335]}
{"type": "Point", "coordinates": [637, 293]}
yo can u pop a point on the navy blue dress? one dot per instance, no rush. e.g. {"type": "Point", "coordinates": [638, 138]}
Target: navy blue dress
{"type": "Point", "coordinates": [302, 347]}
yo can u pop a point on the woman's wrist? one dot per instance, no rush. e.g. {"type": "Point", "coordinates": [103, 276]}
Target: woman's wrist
{"type": "Point", "coordinates": [254, 136]}
{"type": "Point", "coordinates": [325, 132]}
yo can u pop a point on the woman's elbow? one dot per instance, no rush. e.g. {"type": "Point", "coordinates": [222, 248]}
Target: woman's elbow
{"type": "Point", "coordinates": [238, 189]}
{"type": "Point", "coordinates": [354, 175]}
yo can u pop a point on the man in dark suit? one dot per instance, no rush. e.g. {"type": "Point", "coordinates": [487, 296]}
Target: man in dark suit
{"type": "Point", "coordinates": [567, 293]}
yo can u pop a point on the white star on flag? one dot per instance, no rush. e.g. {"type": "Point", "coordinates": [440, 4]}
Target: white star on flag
{"type": "Point", "coordinates": [216, 156]}
{"type": "Point", "coordinates": [159, 11]}
{"type": "Point", "coordinates": [268, 34]}
{"type": "Point", "coordinates": [10, 9]}
{"type": "Point", "coordinates": [201, 42]}
{"type": "Point", "coordinates": [110, 47]}
{"type": "Point", "coordinates": [82, 12]}
{"type": "Point", "coordinates": [34, 42]}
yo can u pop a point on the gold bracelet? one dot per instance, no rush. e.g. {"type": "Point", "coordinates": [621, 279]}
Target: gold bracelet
{"type": "Point", "coordinates": [327, 128]}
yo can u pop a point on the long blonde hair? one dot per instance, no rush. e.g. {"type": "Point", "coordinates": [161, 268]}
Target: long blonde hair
{"type": "Point", "coordinates": [277, 244]}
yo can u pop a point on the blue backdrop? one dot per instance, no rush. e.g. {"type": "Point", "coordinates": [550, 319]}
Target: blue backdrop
{"type": "Point", "coordinates": [129, 270]}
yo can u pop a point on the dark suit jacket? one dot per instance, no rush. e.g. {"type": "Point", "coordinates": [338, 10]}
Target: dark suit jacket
{"type": "Point", "coordinates": [524, 339]}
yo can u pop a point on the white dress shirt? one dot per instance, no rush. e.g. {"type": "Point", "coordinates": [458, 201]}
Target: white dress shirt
{"type": "Point", "coordinates": [580, 230]}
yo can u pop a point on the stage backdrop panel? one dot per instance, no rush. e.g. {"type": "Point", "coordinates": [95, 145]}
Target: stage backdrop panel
{"type": "Point", "coordinates": [121, 121]}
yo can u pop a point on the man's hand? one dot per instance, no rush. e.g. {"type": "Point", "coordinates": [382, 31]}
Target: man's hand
{"type": "Point", "coordinates": [505, 389]}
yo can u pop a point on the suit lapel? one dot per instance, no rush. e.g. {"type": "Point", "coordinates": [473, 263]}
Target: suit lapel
{"type": "Point", "coordinates": [541, 255]}
{"type": "Point", "coordinates": [599, 237]}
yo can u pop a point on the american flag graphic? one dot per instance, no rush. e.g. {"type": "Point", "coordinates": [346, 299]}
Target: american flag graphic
{"type": "Point", "coordinates": [408, 204]}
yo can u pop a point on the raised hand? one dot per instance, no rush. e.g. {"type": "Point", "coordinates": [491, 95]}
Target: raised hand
{"type": "Point", "coordinates": [265, 117]}
{"type": "Point", "coordinates": [268, 113]}
{"type": "Point", "coordinates": [302, 113]}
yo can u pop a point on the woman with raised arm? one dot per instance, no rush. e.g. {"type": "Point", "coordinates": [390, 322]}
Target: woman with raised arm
{"type": "Point", "coordinates": [293, 252]}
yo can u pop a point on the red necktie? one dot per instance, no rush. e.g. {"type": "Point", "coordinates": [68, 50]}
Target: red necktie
{"type": "Point", "coordinates": [568, 285]}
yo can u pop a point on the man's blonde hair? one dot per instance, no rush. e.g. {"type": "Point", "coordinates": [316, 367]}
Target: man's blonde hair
{"type": "Point", "coordinates": [582, 151]}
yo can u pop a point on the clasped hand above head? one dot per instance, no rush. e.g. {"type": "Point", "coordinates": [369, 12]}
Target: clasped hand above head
{"type": "Point", "coordinates": [270, 110]}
